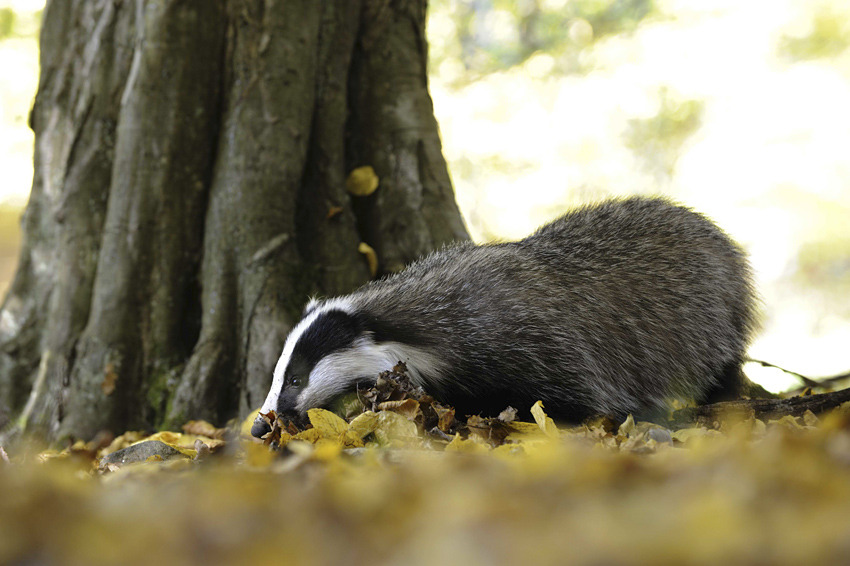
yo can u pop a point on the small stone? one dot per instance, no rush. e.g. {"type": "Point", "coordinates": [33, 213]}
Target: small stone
{"type": "Point", "coordinates": [139, 453]}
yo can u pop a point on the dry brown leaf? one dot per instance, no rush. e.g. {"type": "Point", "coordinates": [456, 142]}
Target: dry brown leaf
{"type": "Point", "coordinates": [203, 428]}
{"type": "Point", "coordinates": [407, 407]}
{"type": "Point", "coordinates": [446, 417]}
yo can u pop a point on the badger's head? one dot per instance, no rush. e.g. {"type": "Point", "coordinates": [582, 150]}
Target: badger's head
{"type": "Point", "coordinates": [332, 350]}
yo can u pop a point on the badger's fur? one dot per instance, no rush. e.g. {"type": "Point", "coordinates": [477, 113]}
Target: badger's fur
{"type": "Point", "coordinates": [611, 309]}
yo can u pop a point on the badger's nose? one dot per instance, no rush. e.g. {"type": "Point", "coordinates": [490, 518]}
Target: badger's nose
{"type": "Point", "coordinates": [260, 427]}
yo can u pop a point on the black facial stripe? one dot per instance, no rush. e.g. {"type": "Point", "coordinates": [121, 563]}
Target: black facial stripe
{"type": "Point", "coordinates": [332, 331]}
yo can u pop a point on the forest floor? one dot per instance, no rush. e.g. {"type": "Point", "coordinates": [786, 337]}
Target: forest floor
{"type": "Point", "coordinates": [407, 483]}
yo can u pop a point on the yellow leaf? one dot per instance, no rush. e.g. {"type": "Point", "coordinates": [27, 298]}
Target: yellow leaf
{"type": "Point", "coordinates": [627, 427]}
{"type": "Point", "coordinates": [364, 424]}
{"type": "Point", "coordinates": [685, 434]}
{"type": "Point", "coordinates": [371, 257]}
{"type": "Point", "coordinates": [203, 428]}
{"type": "Point", "coordinates": [394, 427]}
{"type": "Point", "coordinates": [546, 424]}
{"type": "Point", "coordinates": [810, 419]}
{"type": "Point", "coordinates": [467, 446]}
{"type": "Point", "coordinates": [522, 431]}
{"type": "Point", "coordinates": [362, 181]}
{"type": "Point", "coordinates": [327, 424]}
{"type": "Point", "coordinates": [258, 455]}
{"type": "Point", "coordinates": [446, 417]}
{"type": "Point", "coordinates": [310, 435]}
{"type": "Point", "coordinates": [407, 407]}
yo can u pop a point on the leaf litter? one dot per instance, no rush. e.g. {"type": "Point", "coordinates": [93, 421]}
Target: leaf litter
{"type": "Point", "coordinates": [396, 477]}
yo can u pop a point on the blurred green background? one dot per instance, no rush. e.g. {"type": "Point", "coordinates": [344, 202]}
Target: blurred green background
{"type": "Point", "coordinates": [738, 109]}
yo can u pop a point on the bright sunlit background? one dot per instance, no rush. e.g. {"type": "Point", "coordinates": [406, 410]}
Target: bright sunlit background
{"type": "Point", "coordinates": [738, 109]}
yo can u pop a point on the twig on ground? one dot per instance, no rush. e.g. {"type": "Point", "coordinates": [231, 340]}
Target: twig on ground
{"type": "Point", "coordinates": [763, 409]}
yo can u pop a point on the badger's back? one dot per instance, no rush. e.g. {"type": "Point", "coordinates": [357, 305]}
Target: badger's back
{"type": "Point", "coordinates": [610, 309]}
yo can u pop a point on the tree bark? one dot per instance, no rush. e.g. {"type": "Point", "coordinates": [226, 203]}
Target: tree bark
{"type": "Point", "coordinates": [189, 195]}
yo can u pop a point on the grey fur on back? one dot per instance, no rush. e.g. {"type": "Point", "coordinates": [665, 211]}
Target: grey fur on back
{"type": "Point", "coordinates": [611, 309]}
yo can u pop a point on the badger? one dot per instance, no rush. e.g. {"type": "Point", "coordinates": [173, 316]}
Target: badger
{"type": "Point", "coordinates": [614, 308]}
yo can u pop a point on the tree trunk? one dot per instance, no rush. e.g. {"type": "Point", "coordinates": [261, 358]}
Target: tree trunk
{"type": "Point", "coordinates": [189, 195]}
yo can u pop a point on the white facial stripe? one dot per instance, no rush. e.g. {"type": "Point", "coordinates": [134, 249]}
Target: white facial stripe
{"type": "Point", "coordinates": [312, 303]}
{"type": "Point", "coordinates": [294, 335]}
{"type": "Point", "coordinates": [338, 372]}
{"type": "Point", "coordinates": [418, 360]}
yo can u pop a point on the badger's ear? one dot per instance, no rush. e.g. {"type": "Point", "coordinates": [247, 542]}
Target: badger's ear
{"type": "Point", "coordinates": [311, 306]}
{"type": "Point", "coordinates": [385, 330]}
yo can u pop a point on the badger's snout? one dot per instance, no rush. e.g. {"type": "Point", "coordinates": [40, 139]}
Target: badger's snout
{"type": "Point", "coordinates": [260, 427]}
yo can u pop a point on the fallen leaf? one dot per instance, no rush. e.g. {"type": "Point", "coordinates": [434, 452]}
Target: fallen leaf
{"type": "Point", "coordinates": [466, 446]}
{"type": "Point", "coordinates": [392, 428]}
{"type": "Point", "coordinates": [546, 424]}
{"type": "Point", "coordinates": [364, 424]}
{"type": "Point", "coordinates": [203, 428]}
{"type": "Point", "coordinates": [446, 416]}
{"type": "Point", "coordinates": [327, 424]}
{"type": "Point", "coordinates": [407, 407]}
{"type": "Point", "coordinates": [627, 427]}
{"type": "Point", "coordinates": [685, 434]}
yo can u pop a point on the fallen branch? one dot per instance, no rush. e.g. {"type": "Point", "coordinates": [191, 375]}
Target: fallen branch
{"type": "Point", "coordinates": [807, 381]}
{"type": "Point", "coordinates": [764, 409]}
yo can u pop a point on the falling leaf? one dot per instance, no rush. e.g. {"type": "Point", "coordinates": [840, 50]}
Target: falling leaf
{"type": "Point", "coordinates": [109, 379]}
{"type": "Point", "coordinates": [371, 257]}
{"type": "Point", "coordinates": [362, 181]}
{"type": "Point", "coordinates": [334, 211]}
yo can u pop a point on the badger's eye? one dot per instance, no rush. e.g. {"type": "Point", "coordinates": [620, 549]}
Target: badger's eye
{"type": "Point", "coordinates": [295, 381]}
